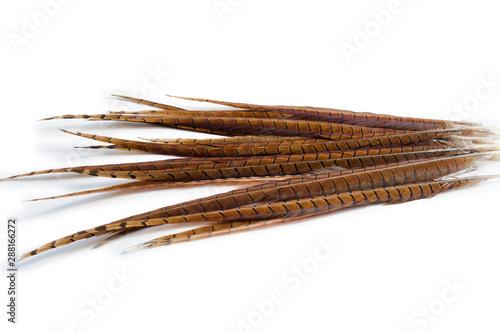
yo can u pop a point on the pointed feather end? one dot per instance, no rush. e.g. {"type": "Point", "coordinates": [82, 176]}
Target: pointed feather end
{"type": "Point", "coordinates": [70, 132]}
{"type": "Point", "coordinates": [49, 118]}
{"type": "Point", "coordinates": [99, 244]}
{"type": "Point", "coordinates": [183, 98]}
{"type": "Point", "coordinates": [17, 176]}
{"type": "Point", "coordinates": [30, 200]}
{"type": "Point", "coordinates": [98, 147]}
{"type": "Point", "coordinates": [42, 199]}
{"type": "Point", "coordinates": [8, 178]}
{"type": "Point", "coordinates": [119, 96]}
{"type": "Point", "coordinates": [136, 248]}
{"type": "Point", "coordinates": [26, 255]}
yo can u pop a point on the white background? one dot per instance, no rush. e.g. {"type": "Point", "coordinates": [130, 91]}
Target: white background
{"type": "Point", "coordinates": [392, 262]}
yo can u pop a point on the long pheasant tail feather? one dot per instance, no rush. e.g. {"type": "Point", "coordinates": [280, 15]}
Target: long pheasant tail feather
{"type": "Point", "coordinates": [209, 173]}
{"type": "Point", "coordinates": [242, 125]}
{"type": "Point", "coordinates": [229, 140]}
{"type": "Point", "coordinates": [341, 116]}
{"type": "Point", "coordinates": [205, 113]}
{"type": "Point", "coordinates": [275, 147]}
{"type": "Point", "coordinates": [140, 185]}
{"type": "Point", "coordinates": [221, 162]}
{"type": "Point", "coordinates": [437, 148]}
{"type": "Point", "coordinates": [292, 210]}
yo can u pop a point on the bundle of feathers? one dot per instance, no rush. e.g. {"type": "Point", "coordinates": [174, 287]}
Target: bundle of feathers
{"type": "Point", "coordinates": [293, 162]}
